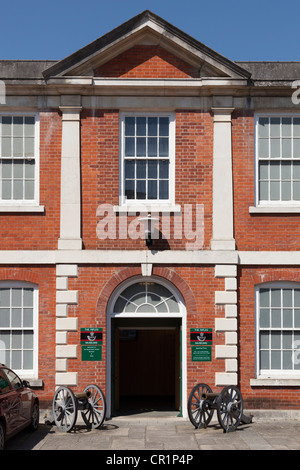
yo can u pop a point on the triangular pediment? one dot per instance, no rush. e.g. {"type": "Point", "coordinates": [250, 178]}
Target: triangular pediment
{"type": "Point", "coordinates": [156, 41]}
{"type": "Point", "coordinates": [151, 60]}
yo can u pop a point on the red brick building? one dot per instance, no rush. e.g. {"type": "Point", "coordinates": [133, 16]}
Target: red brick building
{"type": "Point", "coordinates": [146, 121]}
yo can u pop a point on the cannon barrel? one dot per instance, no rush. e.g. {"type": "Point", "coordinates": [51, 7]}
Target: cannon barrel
{"type": "Point", "coordinates": [83, 395]}
{"type": "Point", "coordinates": [209, 396]}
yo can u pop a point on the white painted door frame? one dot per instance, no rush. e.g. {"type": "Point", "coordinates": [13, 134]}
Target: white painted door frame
{"type": "Point", "coordinates": [182, 314]}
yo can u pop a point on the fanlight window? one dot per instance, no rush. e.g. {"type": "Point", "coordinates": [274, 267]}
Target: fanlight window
{"type": "Point", "coordinates": [146, 297]}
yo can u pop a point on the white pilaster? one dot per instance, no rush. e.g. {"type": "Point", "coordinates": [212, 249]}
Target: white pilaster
{"type": "Point", "coordinates": [66, 378]}
{"type": "Point", "coordinates": [222, 181]}
{"type": "Point", "coordinates": [64, 324]}
{"type": "Point", "coordinates": [70, 210]}
{"type": "Point", "coordinates": [228, 324]}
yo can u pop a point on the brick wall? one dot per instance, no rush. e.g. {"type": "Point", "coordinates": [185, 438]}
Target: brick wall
{"type": "Point", "coordinates": [100, 174]}
{"type": "Point", "coordinates": [100, 181]}
{"type": "Point", "coordinates": [197, 285]}
{"type": "Point", "coordinates": [260, 231]}
{"type": "Point", "coordinates": [100, 184]}
{"type": "Point", "coordinates": [45, 278]}
{"type": "Point", "coordinates": [96, 285]}
{"type": "Point", "coordinates": [260, 397]}
{"type": "Point", "coordinates": [34, 231]}
{"type": "Point", "coordinates": [147, 61]}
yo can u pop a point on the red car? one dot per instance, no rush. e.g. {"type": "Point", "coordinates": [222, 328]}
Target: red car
{"type": "Point", "coordinates": [19, 406]}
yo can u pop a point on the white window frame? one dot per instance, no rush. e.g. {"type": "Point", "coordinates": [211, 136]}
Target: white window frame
{"type": "Point", "coordinates": [153, 204]}
{"type": "Point", "coordinates": [27, 373]}
{"type": "Point", "coordinates": [24, 203]}
{"type": "Point", "coordinates": [263, 203]}
{"type": "Point", "coordinates": [272, 373]}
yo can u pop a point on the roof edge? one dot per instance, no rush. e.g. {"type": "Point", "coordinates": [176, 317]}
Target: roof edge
{"type": "Point", "coordinates": [118, 32]}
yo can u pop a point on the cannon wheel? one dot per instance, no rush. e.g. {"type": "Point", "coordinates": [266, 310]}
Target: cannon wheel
{"type": "Point", "coordinates": [64, 408]}
{"type": "Point", "coordinates": [199, 411]}
{"type": "Point", "coordinates": [230, 408]}
{"type": "Point", "coordinates": [95, 413]}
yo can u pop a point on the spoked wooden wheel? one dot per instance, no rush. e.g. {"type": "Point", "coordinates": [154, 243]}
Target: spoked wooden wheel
{"type": "Point", "coordinates": [95, 412]}
{"type": "Point", "coordinates": [64, 408]}
{"type": "Point", "coordinates": [230, 408]}
{"type": "Point", "coordinates": [199, 411]}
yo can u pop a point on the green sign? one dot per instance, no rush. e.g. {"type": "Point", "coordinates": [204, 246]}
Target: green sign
{"type": "Point", "coordinates": [91, 344]}
{"type": "Point", "coordinates": [91, 335]}
{"type": "Point", "coordinates": [201, 343]}
{"type": "Point", "coordinates": [91, 353]}
{"type": "Point", "coordinates": [201, 353]}
{"type": "Point", "coordinates": [201, 336]}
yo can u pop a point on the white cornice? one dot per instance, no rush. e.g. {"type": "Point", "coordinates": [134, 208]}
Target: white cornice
{"type": "Point", "coordinates": [41, 257]}
{"type": "Point", "coordinates": [268, 258]}
{"type": "Point", "coordinates": [145, 86]}
{"type": "Point", "coordinates": [125, 257]}
{"type": "Point", "coordinates": [151, 82]}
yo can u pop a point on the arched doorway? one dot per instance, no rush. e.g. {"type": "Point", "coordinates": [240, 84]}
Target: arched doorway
{"type": "Point", "coordinates": [146, 367]}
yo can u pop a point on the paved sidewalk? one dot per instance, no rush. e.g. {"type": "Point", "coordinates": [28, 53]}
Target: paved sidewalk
{"type": "Point", "coordinates": [162, 434]}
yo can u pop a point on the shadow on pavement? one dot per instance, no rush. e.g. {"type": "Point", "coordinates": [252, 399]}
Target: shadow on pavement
{"type": "Point", "coordinates": [34, 440]}
{"type": "Point", "coordinates": [26, 440]}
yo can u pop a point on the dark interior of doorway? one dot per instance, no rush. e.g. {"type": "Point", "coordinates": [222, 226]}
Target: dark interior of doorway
{"type": "Point", "coordinates": [148, 371]}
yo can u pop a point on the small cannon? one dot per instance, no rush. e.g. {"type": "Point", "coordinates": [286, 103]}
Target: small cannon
{"type": "Point", "coordinates": [65, 406]}
{"type": "Point", "coordinates": [229, 405]}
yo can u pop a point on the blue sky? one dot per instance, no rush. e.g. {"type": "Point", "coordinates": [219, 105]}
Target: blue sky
{"type": "Point", "coordinates": [238, 29]}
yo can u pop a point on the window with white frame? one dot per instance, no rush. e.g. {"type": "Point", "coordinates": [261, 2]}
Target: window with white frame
{"type": "Point", "coordinates": [18, 159]}
{"type": "Point", "coordinates": [18, 326]}
{"type": "Point", "coordinates": [278, 329]}
{"type": "Point", "coordinates": [147, 158]}
{"type": "Point", "coordinates": [146, 297]}
{"type": "Point", "coordinates": [278, 159]}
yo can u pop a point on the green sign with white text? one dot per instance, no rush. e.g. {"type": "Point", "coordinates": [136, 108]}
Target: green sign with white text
{"type": "Point", "coordinates": [201, 353]}
{"type": "Point", "coordinates": [91, 353]}
{"type": "Point", "coordinates": [201, 343]}
{"type": "Point", "coordinates": [91, 344]}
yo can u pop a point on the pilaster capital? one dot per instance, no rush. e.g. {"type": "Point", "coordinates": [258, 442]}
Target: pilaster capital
{"type": "Point", "coordinates": [222, 114]}
{"type": "Point", "coordinates": [70, 113]}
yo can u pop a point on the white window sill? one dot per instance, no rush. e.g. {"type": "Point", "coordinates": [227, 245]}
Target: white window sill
{"type": "Point", "coordinates": [33, 382]}
{"type": "Point", "coordinates": [274, 210]}
{"type": "Point", "coordinates": [30, 377]}
{"type": "Point", "coordinates": [134, 208]}
{"type": "Point", "coordinates": [275, 382]}
{"type": "Point", "coordinates": [20, 208]}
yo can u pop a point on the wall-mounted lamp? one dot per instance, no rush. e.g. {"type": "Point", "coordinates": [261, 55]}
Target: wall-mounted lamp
{"type": "Point", "coordinates": [149, 228]}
